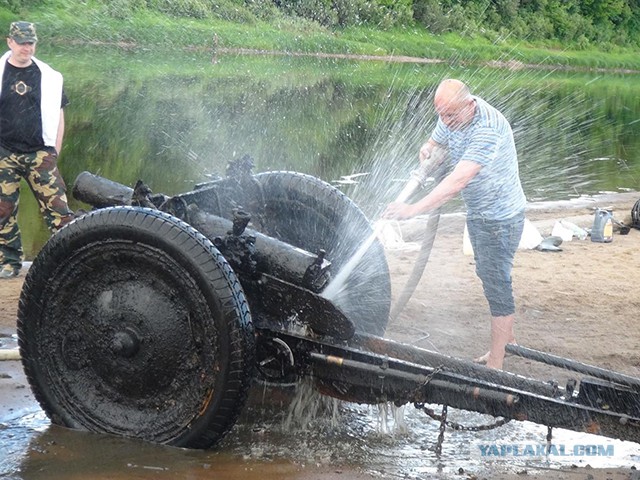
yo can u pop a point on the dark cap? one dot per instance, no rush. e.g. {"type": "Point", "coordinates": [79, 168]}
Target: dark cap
{"type": "Point", "coordinates": [23, 32]}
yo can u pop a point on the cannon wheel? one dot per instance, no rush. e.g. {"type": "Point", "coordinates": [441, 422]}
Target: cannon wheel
{"type": "Point", "coordinates": [132, 323]}
{"type": "Point", "coordinates": [311, 214]}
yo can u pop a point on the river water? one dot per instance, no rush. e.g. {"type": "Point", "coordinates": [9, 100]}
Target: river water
{"type": "Point", "coordinates": [376, 441]}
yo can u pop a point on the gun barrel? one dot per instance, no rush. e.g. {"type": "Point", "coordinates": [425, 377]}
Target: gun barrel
{"type": "Point", "coordinates": [277, 258]}
{"type": "Point", "coordinates": [101, 192]}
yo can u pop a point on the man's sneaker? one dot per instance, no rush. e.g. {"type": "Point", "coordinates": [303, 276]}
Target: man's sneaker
{"type": "Point", "coordinates": [9, 271]}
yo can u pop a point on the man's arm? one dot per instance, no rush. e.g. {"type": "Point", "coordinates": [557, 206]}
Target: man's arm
{"type": "Point", "coordinates": [433, 153]}
{"type": "Point", "coordinates": [448, 188]}
{"type": "Point", "coordinates": [60, 134]}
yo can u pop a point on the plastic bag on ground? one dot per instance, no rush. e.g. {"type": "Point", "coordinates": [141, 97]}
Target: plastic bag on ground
{"type": "Point", "coordinates": [578, 232]}
{"type": "Point", "coordinates": [560, 230]}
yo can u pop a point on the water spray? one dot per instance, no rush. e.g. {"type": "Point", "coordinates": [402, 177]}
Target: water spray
{"type": "Point", "coordinates": [435, 165]}
{"type": "Point", "coordinates": [419, 179]}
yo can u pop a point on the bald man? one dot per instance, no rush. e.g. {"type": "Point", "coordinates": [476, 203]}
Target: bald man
{"type": "Point", "coordinates": [483, 155]}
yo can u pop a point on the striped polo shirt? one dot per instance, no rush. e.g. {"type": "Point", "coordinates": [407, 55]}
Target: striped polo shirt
{"type": "Point", "coordinates": [495, 193]}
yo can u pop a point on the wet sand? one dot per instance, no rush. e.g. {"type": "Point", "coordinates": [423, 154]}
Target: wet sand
{"type": "Point", "coordinates": [579, 303]}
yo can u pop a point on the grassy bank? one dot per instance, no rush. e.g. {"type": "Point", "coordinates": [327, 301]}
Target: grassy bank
{"type": "Point", "coordinates": [92, 22]}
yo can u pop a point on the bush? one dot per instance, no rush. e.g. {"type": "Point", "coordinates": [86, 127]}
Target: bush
{"type": "Point", "coordinates": [262, 9]}
{"type": "Point", "coordinates": [18, 6]}
{"type": "Point", "coordinates": [342, 13]}
{"type": "Point", "coordinates": [181, 8]}
{"type": "Point", "coordinates": [387, 14]}
{"type": "Point", "coordinates": [122, 9]}
{"type": "Point", "coordinates": [11, 5]}
{"type": "Point", "coordinates": [430, 14]}
{"type": "Point", "coordinates": [351, 12]}
{"type": "Point", "coordinates": [317, 10]}
{"type": "Point", "coordinates": [458, 22]}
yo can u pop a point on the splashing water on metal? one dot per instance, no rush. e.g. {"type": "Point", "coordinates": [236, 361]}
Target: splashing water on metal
{"type": "Point", "coordinates": [339, 282]}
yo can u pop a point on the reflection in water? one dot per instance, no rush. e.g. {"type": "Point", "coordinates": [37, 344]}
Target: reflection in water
{"type": "Point", "coordinates": [268, 444]}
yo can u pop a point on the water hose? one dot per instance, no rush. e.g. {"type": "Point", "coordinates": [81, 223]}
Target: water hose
{"type": "Point", "coordinates": [423, 256]}
{"type": "Point", "coordinates": [418, 266]}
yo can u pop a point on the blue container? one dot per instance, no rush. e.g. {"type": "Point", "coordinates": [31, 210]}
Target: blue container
{"type": "Point", "coordinates": [602, 230]}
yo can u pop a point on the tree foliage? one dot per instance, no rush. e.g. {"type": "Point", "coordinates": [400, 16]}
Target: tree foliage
{"type": "Point", "coordinates": [579, 23]}
{"type": "Point", "coordinates": [603, 23]}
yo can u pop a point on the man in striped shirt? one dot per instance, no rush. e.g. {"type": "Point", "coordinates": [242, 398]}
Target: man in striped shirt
{"type": "Point", "coordinates": [482, 152]}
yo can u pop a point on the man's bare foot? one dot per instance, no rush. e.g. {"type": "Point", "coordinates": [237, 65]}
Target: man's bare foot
{"type": "Point", "coordinates": [482, 360]}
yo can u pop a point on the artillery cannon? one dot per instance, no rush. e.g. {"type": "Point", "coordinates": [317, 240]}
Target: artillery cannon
{"type": "Point", "coordinates": [151, 316]}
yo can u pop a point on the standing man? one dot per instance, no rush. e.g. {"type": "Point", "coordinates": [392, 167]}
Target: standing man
{"type": "Point", "coordinates": [485, 169]}
{"type": "Point", "coordinates": [31, 131]}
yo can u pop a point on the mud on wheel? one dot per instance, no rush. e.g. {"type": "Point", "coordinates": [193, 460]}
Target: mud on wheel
{"type": "Point", "coordinates": [132, 323]}
{"type": "Point", "coordinates": [311, 214]}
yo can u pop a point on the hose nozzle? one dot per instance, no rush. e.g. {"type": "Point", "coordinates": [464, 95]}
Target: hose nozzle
{"type": "Point", "coordinates": [420, 177]}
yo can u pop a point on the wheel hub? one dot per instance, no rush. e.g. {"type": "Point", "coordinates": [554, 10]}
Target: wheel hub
{"type": "Point", "coordinates": [125, 344]}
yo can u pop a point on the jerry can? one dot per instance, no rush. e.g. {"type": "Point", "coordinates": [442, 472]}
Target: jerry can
{"type": "Point", "coordinates": [602, 230]}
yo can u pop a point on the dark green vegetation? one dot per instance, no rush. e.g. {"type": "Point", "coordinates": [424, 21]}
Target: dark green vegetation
{"type": "Point", "coordinates": [591, 33]}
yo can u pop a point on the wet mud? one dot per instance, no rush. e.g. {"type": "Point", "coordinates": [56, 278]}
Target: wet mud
{"type": "Point", "coordinates": [283, 435]}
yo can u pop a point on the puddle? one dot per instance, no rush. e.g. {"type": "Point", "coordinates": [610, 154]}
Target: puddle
{"type": "Point", "coordinates": [268, 444]}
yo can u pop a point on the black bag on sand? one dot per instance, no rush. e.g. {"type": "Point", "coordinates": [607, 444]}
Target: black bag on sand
{"type": "Point", "coordinates": [635, 215]}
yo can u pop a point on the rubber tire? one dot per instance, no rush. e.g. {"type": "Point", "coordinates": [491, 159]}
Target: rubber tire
{"type": "Point", "coordinates": [132, 323]}
{"type": "Point", "coordinates": [311, 214]}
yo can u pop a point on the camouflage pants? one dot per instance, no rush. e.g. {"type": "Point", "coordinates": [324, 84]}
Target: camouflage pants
{"type": "Point", "coordinates": [40, 171]}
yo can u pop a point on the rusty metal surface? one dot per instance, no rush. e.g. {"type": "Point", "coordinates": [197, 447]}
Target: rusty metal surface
{"type": "Point", "coordinates": [272, 256]}
{"type": "Point", "coordinates": [363, 376]}
{"type": "Point", "coordinates": [410, 353]}
{"type": "Point", "coordinates": [285, 300]}
{"type": "Point", "coordinates": [573, 365]}
{"type": "Point", "coordinates": [100, 192]}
